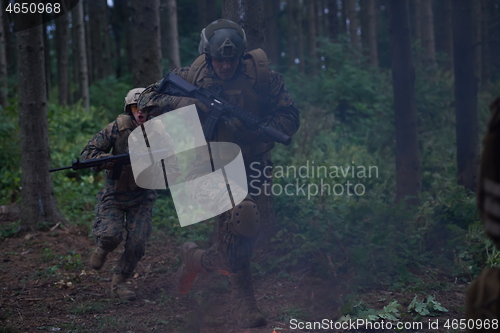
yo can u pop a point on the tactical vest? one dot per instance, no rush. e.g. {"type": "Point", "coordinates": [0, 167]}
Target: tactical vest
{"type": "Point", "coordinates": [126, 181]}
{"type": "Point", "coordinates": [249, 89]}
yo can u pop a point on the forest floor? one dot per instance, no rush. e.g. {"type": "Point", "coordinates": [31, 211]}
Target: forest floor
{"type": "Point", "coordinates": [46, 284]}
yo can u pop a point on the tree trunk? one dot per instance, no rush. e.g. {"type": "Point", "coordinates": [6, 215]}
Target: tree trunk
{"type": "Point", "coordinates": [300, 35]}
{"type": "Point", "coordinates": [333, 21]}
{"type": "Point", "coordinates": [96, 49]}
{"type": "Point", "coordinates": [130, 52]}
{"type": "Point", "coordinates": [486, 66]}
{"type": "Point", "coordinates": [353, 23]}
{"type": "Point", "coordinates": [86, 22]}
{"type": "Point", "coordinates": [174, 58]}
{"type": "Point", "coordinates": [207, 12]}
{"type": "Point", "coordinates": [343, 14]}
{"type": "Point", "coordinates": [418, 29]}
{"type": "Point", "coordinates": [3, 60]}
{"type": "Point", "coordinates": [47, 61]}
{"type": "Point", "coordinates": [118, 20]}
{"type": "Point", "coordinates": [291, 23]}
{"type": "Point", "coordinates": [465, 93]}
{"type": "Point", "coordinates": [272, 10]}
{"type": "Point", "coordinates": [106, 45]}
{"type": "Point", "coordinates": [62, 58]}
{"type": "Point", "coordinates": [146, 42]}
{"type": "Point", "coordinates": [38, 202]}
{"type": "Point", "coordinates": [444, 43]}
{"type": "Point", "coordinates": [428, 41]}
{"type": "Point", "coordinates": [372, 33]}
{"type": "Point", "coordinates": [311, 37]}
{"type": "Point", "coordinates": [478, 42]}
{"type": "Point", "coordinates": [80, 48]}
{"type": "Point", "coordinates": [9, 44]}
{"type": "Point", "coordinates": [403, 77]}
{"type": "Point", "coordinates": [250, 16]}
{"type": "Point", "coordinates": [76, 94]}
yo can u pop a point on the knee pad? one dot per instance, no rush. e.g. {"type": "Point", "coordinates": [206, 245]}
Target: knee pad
{"type": "Point", "coordinates": [245, 218]}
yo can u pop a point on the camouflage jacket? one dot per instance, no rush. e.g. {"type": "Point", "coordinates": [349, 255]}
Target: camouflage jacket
{"type": "Point", "coordinates": [276, 107]}
{"type": "Point", "coordinates": [114, 138]}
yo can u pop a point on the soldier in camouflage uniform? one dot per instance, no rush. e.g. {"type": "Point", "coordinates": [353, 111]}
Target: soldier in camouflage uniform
{"type": "Point", "coordinates": [121, 204]}
{"type": "Point", "coordinates": [483, 294]}
{"type": "Point", "coordinates": [243, 79]}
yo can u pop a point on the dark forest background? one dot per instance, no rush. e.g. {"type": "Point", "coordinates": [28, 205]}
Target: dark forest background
{"type": "Point", "coordinates": [397, 84]}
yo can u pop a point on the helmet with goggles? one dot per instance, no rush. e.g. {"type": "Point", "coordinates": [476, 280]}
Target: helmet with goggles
{"type": "Point", "coordinates": [132, 98]}
{"type": "Point", "coordinates": [223, 39]}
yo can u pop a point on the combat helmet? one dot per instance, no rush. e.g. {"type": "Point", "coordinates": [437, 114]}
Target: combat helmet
{"type": "Point", "coordinates": [223, 39]}
{"type": "Point", "coordinates": [132, 98]}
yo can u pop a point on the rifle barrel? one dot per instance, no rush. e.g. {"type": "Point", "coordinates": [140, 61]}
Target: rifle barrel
{"type": "Point", "coordinates": [63, 168]}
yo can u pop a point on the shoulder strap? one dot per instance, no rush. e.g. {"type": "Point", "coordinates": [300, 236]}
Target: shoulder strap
{"type": "Point", "coordinates": [196, 68]}
{"type": "Point", "coordinates": [259, 61]}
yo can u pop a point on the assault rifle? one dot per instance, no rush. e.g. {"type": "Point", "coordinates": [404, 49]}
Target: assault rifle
{"type": "Point", "coordinates": [218, 107]}
{"type": "Point", "coordinates": [118, 160]}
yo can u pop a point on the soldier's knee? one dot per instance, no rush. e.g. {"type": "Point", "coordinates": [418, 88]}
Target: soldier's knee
{"type": "Point", "coordinates": [109, 243]}
{"type": "Point", "coordinates": [245, 219]}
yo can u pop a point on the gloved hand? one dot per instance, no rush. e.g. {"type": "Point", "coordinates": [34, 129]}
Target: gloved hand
{"type": "Point", "coordinates": [241, 133]}
{"type": "Point", "coordinates": [108, 165]}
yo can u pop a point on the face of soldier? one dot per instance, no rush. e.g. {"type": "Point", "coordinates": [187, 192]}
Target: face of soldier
{"type": "Point", "coordinates": [139, 116]}
{"type": "Point", "coordinates": [225, 69]}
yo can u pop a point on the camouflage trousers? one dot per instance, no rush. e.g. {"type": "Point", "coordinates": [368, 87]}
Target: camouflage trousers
{"type": "Point", "coordinates": [119, 212]}
{"type": "Point", "coordinates": [231, 251]}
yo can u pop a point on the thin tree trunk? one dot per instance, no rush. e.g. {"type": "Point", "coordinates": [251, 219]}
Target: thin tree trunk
{"type": "Point", "coordinates": [486, 65]}
{"type": "Point", "coordinates": [418, 30]}
{"type": "Point", "coordinates": [311, 37]}
{"type": "Point", "coordinates": [403, 77]}
{"type": "Point", "coordinates": [130, 51]}
{"type": "Point", "coordinates": [428, 41]}
{"type": "Point", "coordinates": [118, 21]}
{"type": "Point", "coordinates": [343, 14]}
{"type": "Point", "coordinates": [272, 10]}
{"type": "Point", "coordinates": [174, 58]}
{"type": "Point", "coordinates": [75, 56]}
{"type": "Point", "coordinates": [3, 61]}
{"type": "Point", "coordinates": [372, 33]}
{"type": "Point", "coordinates": [213, 12]}
{"type": "Point", "coordinates": [292, 53]}
{"type": "Point", "coordinates": [478, 42]}
{"type": "Point", "coordinates": [82, 55]}
{"type": "Point", "coordinates": [9, 45]}
{"type": "Point", "coordinates": [444, 44]}
{"type": "Point", "coordinates": [37, 197]}
{"type": "Point", "coordinates": [353, 22]}
{"type": "Point", "coordinates": [90, 64]}
{"type": "Point", "coordinates": [146, 42]}
{"type": "Point", "coordinates": [333, 21]}
{"type": "Point", "coordinates": [465, 93]}
{"type": "Point", "coordinates": [47, 61]}
{"type": "Point", "coordinates": [300, 35]}
{"type": "Point", "coordinates": [96, 49]}
{"type": "Point", "coordinates": [62, 58]}
{"type": "Point", "coordinates": [106, 44]}
{"type": "Point", "coordinates": [250, 16]}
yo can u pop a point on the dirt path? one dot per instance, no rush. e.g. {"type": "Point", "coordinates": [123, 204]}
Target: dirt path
{"type": "Point", "coordinates": [46, 284]}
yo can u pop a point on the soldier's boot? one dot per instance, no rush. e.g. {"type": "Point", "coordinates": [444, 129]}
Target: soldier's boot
{"type": "Point", "coordinates": [98, 258]}
{"type": "Point", "coordinates": [244, 310]}
{"type": "Point", "coordinates": [119, 288]}
{"type": "Point", "coordinates": [191, 266]}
